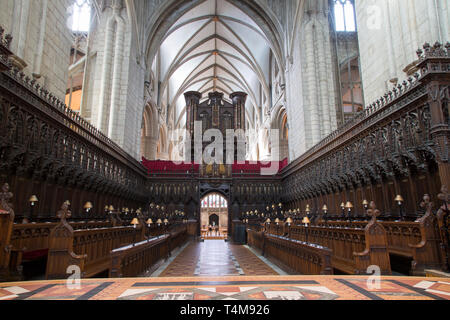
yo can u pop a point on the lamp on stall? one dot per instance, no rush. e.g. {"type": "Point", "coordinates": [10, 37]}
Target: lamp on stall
{"type": "Point", "coordinates": [365, 204]}
{"type": "Point", "coordinates": [306, 222]}
{"type": "Point", "coordinates": [343, 210]}
{"type": "Point", "coordinates": [88, 207]}
{"type": "Point", "coordinates": [149, 222]}
{"type": "Point", "coordinates": [289, 221]}
{"type": "Point", "coordinates": [166, 222]}
{"type": "Point", "coordinates": [349, 207]}
{"type": "Point", "coordinates": [111, 209]}
{"type": "Point", "coordinates": [325, 211]}
{"type": "Point", "coordinates": [134, 222]}
{"type": "Point", "coordinates": [159, 222]}
{"type": "Point", "coordinates": [399, 200]}
{"type": "Point", "coordinates": [33, 201]}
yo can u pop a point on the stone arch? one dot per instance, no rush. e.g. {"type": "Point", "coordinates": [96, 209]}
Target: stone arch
{"type": "Point", "coordinates": [221, 211]}
{"type": "Point", "coordinates": [280, 122]}
{"type": "Point", "coordinates": [149, 132]}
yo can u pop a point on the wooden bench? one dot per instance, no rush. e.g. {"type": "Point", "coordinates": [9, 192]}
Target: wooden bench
{"type": "Point", "coordinates": [134, 260]}
{"type": "Point", "coordinates": [32, 238]}
{"type": "Point", "coordinates": [353, 249]}
{"type": "Point", "coordinates": [87, 249]}
{"type": "Point", "coordinates": [301, 257]}
{"type": "Point", "coordinates": [419, 240]}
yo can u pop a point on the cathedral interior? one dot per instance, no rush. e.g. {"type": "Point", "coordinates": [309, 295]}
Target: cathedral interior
{"type": "Point", "coordinates": [224, 150]}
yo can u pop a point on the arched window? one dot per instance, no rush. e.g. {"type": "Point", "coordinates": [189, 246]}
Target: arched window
{"type": "Point", "coordinates": [81, 16]}
{"type": "Point", "coordinates": [214, 201]}
{"type": "Point", "coordinates": [351, 89]}
{"type": "Point", "coordinates": [344, 15]}
{"type": "Point", "coordinates": [79, 22]}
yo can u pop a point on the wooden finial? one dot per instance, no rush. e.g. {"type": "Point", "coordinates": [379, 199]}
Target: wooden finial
{"type": "Point", "coordinates": [5, 197]}
{"type": "Point", "coordinates": [64, 213]}
{"type": "Point", "coordinates": [373, 211]}
{"type": "Point", "coordinates": [444, 196]}
{"type": "Point", "coordinates": [426, 203]}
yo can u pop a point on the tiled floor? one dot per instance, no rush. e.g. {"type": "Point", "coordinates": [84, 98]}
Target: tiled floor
{"type": "Point", "coordinates": [234, 288]}
{"type": "Point", "coordinates": [217, 270]}
{"type": "Point", "coordinates": [216, 258]}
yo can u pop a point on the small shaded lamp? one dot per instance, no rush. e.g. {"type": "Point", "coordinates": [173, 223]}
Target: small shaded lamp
{"type": "Point", "coordinates": [149, 222]}
{"type": "Point", "coordinates": [307, 210]}
{"type": "Point", "coordinates": [33, 200]}
{"type": "Point", "coordinates": [268, 221]}
{"type": "Point", "coordinates": [399, 200]}
{"type": "Point", "coordinates": [111, 209]}
{"type": "Point", "coordinates": [306, 222]}
{"type": "Point", "coordinates": [126, 211]}
{"type": "Point", "coordinates": [166, 222]}
{"type": "Point", "coordinates": [88, 207]}
{"type": "Point", "coordinates": [289, 221]}
{"type": "Point", "coordinates": [349, 207]}
{"type": "Point", "coordinates": [159, 222]}
{"type": "Point", "coordinates": [325, 212]}
{"type": "Point", "coordinates": [365, 204]}
{"type": "Point", "coordinates": [343, 210]}
{"type": "Point", "coordinates": [135, 222]}
{"type": "Point", "coordinates": [277, 221]}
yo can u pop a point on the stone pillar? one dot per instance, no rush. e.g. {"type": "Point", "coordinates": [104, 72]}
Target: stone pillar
{"type": "Point", "coordinates": [149, 146]}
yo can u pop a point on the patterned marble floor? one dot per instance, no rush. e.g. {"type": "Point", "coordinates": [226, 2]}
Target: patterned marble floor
{"type": "Point", "coordinates": [216, 258]}
{"type": "Point", "coordinates": [234, 288]}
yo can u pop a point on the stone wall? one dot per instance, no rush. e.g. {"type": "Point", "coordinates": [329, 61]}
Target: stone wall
{"type": "Point", "coordinates": [115, 92]}
{"type": "Point", "coordinates": [311, 103]}
{"type": "Point", "coordinates": [41, 39]}
{"type": "Point", "coordinates": [389, 34]}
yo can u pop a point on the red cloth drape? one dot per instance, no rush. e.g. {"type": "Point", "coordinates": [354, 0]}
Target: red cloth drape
{"type": "Point", "coordinates": [170, 167]}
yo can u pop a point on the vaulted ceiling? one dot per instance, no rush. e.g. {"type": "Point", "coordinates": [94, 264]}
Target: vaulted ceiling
{"type": "Point", "coordinates": [214, 47]}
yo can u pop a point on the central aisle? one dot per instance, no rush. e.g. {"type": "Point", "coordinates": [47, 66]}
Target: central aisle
{"type": "Point", "coordinates": [217, 258]}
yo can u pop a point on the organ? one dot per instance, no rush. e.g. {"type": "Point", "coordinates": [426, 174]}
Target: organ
{"type": "Point", "coordinates": [215, 113]}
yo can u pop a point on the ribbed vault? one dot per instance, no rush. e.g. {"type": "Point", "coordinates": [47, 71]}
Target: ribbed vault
{"type": "Point", "coordinates": [214, 46]}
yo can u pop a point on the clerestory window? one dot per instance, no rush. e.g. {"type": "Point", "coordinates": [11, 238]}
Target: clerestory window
{"type": "Point", "coordinates": [344, 15]}
{"type": "Point", "coordinates": [81, 16]}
